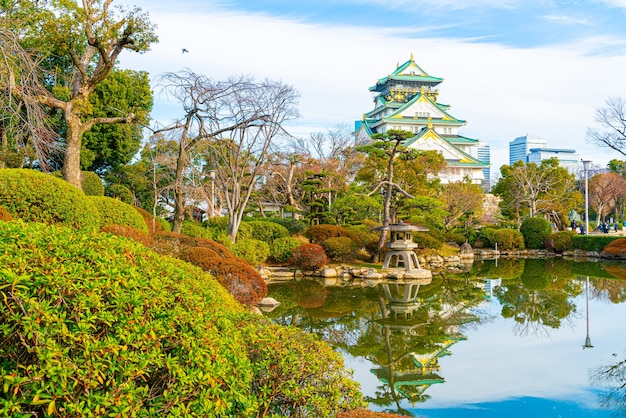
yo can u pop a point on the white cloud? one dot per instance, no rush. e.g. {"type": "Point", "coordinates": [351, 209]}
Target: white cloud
{"type": "Point", "coordinates": [502, 92]}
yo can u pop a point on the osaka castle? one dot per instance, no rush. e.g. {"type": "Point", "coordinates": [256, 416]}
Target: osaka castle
{"type": "Point", "coordinates": [407, 99]}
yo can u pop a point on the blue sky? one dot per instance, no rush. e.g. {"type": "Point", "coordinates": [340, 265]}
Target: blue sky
{"type": "Point", "coordinates": [510, 67]}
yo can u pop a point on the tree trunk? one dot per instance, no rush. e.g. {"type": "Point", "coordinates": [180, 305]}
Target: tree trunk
{"type": "Point", "coordinates": [179, 190]}
{"type": "Point", "coordinates": [71, 161]}
{"type": "Point", "coordinates": [3, 148]}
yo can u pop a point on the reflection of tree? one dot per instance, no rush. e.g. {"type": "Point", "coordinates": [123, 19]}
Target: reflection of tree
{"type": "Point", "coordinates": [614, 376]}
{"type": "Point", "coordinates": [613, 290]}
{"type": "Point", "coordinates": [539, 300]}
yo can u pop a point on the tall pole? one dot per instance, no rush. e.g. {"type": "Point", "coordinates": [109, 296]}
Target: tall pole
{"type": "Point", "coordinates": [586, 168]}
{"type": "Point", "coordinates": [588, 338]}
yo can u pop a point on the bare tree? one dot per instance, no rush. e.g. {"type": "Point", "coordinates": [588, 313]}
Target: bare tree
{"type": "Point", "coordinates": [605, 192]}
{"type": "Point", "coordinates": [236, 121]}
{"type": "Point", "coordinates": [91, 38]}
{"type": "Point", "coordinates": [612, 131]}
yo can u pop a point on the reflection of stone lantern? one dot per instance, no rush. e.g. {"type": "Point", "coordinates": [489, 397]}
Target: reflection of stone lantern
{"type": "Point", "coordinates": [401, 247]}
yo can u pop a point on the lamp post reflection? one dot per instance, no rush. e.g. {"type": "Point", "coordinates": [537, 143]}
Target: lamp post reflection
{"type": "Point", "coordinates": [587, 339]}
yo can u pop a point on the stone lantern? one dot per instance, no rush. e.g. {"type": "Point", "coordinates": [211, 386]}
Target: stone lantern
{"type": "Point", "coordinates": [401, 247]}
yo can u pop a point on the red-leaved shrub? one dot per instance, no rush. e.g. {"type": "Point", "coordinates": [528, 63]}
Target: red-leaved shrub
{"type": "Point", "coordinates": [242, 281]}
{"type": "Point", "coordinates": [129, 232]}
{"type": "Point", "coordinates": [309, 257]}
{"type": "Point", "coordinates": [5, 215]}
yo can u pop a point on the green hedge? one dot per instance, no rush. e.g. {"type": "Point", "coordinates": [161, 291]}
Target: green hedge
{"type": "Point", "coordinates": [116, 212]}
{"type": "Point", "coordinates": [592, 242]}
{"type": "Point", "coordinates": [37, 197]}
{"type": "Point", "coordinates": [267, 231]}
{"type": "Point", "coordinates": [92, 184]}
{"type": "Point", "coordinates": [122, 331]}
{"type": "Point", "coordinates": [254, 251]}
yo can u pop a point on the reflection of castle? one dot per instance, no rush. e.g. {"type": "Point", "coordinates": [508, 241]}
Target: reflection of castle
{"type": "Point", "coordinates": [415, 339]}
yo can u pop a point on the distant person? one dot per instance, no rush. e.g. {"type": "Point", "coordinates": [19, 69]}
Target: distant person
{"type": "Point", "coordinates": [582, 229]}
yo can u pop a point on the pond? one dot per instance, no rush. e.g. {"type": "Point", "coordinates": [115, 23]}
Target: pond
{"type": "Point", "coordinates": [507, 338]}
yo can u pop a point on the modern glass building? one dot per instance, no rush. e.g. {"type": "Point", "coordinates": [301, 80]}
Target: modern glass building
{"type": "Point", "coordinates": [520, 147]}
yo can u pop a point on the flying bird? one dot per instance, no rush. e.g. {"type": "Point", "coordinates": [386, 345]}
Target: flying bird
{"type": "Point", "coordinates": [185, 50]}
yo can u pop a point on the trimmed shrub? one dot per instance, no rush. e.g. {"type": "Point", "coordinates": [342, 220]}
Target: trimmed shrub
{"type": "Point", "coordinates": [592, 242]}
{"type": "Point", "coordinates": [165, 225]}
{"type": "Point", "coordinates": [508, 239]}
{"type": "Point", "coordinates": [129, 232]}
{"type": "Point", "coordinates": [535, 230]}
{"type": "Point", "coordinates": [242, 281]}
{"type": "Point", "coordinates": [281, 249]}
{"type": "Point", "coordinates": [37, 197]}
{"type": "Point", "coordinates": [486, 236]}
{"type": "Point", "coordinates": [267, 231]}
{"type": "Point", "coordinates": [560, 241]}
{"type": "Point", "coordinates": [171, 243]}
{"type": "Point", "coordinates": [615, 249]}
{"type": "Point", "coordinates": [198, 256]}
{"type": "Point", "coordinates": [364, 233]}
{"type": "Point", "coordinates": [153, 224]}
{"type": "Point", "coordinates": [92, 183]}
{"type": "Point", "coordinates": [254, 251]}
{"type": "Point", "coordinates": [294, 226]}
{"type": "Point", "coordinates": [5, 215]}
{"type": "Point", "coordinates": [309, 257]}
{"type": "Point", "coordinates": [320, 233]}
{"type": "Point", "coordinates": [121, 192]}
{"type": "Point", "coordinates": [340, 248]}
{"type": "Point", "coordinates": [278, 367]}
{"type": "Point", "coordinates": [116, 212]}
{"type": "Point", "coordinates": [426, 240]}
{"type": "Point", "coordinates": [194, 229]}
{"type": "Point", "coordinates": [126, 332]}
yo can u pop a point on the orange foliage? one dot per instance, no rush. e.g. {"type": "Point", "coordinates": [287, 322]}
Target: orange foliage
{"type": "Point", "coordinates": [129, 232]}
{"type": "Point", "coordinates": [5, 215]}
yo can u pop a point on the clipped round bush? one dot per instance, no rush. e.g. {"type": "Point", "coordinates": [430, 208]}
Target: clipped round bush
{"type": "Point", "coordinates": [5, 215]}
{"type": "Point", "coordinates": [37, 197]}
{"type": "Point", "coordinates": [426, 240]}
{"type": "Point", "coordinates": [294, 226]}
{"type": "Point", "coordinates": [126, 332]}
{"type": "Point", "coordinates": [92, 183]}
{"type": "Point", "coordinates": [535, 230]}
{"type": "Point", "coordinates": [309, 257]}
{"type": "Point", "coordinates": [485, 235]}
{"type": "Point", "coordinates": [116, 212]}
{"type": "Point", "coordinates": [560, 241]}
{"type": "Point", "coordinates": [198, 256]}
{"type": "Point", "coordinates": [243, 282]}
{"type": "Point", "coordinates": [281, 249]}
{"type": "Point", "coordinates": [121, 192]}
{"type": "Point", "coordinates": [194, 229]}
{"type": "Point", "coordinates": [254, 251]}
{"type": "Point", "coordinates": [508, 239]}
{"type": "Point", "coordinates": [320, 233]}
{"type": "Point", "coordinates": [152, 223]}
{"type": "Point", "coordinates": [615, 249]}
{"type": "Point", "coordinates": [165, 225]}
{"type": "Point", "coordinates": [129, 232]}
{"type": "Point", "coordinates": [171, 243]}
{"type": "Point", "coordinates": [267, 231]}
{"type": "Point", "coordinates": [340, 248]}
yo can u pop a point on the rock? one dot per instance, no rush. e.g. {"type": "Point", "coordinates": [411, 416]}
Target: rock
{"type": "Point", "coordinates": [466, 251]}
{"type": "Point", "coordinates": [328, 272]}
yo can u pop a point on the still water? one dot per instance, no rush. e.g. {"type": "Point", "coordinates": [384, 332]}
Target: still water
{"type": "Point", "coordinates": [512, 338]}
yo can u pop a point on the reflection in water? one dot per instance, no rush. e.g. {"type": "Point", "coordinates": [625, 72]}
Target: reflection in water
{"type": "Point", "coordinates": [403, 329]}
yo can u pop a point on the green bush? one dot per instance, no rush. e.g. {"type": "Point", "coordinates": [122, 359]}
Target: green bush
{"type": "Point", "coordinates": [592, 242]}
{"type": "Point", "coordinates": [126, 332]}
{"type": "Point", "coordinates": [37, 197]}
{"type": "Point", "coordinates": [281, 249]}
{"type": "Point", "coordinates": [116, 212]}
{"type": "Point", "coordinates": [426, 240]}
{"type": "Point", "coordinates": [535, 230]}
{"type": "Point", "coordinates": [508, 239]}
{"type": "Point", "coordinates": [254, 251]}
{"type": "Point", "coordinates": [561, 241]}
{"type": "Point", "coordinates": [165, 225]}
{"type": "Point", "coordinates": [486, 235]}
{"type": "Point", "coordinates": [364, 233]}
{"type": "Point", "coordinates": [294, 226]}
{"type": "Point", "coordinates": [340, 248]}
{"type": "Point", "coordinates": [121, 192]}
{"type": "Point", "coordinates": [194, 229]}
{"type": "Point", "coordinates": [267, 231]}
{"type": "Point", "coordinates": [92, 183]}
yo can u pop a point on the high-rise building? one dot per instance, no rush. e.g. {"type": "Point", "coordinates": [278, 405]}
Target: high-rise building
{"type": "Point", "coordinates": [407, 99]}
{"type": "Point", "coordinates": [567, 157]}
{"type": "Point", "coordinates": [520, 147]}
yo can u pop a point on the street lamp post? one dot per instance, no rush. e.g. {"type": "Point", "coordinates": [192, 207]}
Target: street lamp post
{"type": "Point", "coordinates": [586, 168]}
{"type": "Point", "coordinates": [588, 338]}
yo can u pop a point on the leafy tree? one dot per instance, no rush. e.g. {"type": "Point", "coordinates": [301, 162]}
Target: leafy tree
{"type": "Point", "coordinates": [463, 203]}
{"type": "Point", "coordinates": [529, 189]}
{"type": "Point", "coordinates": [78, 47]}
{"type": "Point", "coordinates": [107, 146]}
